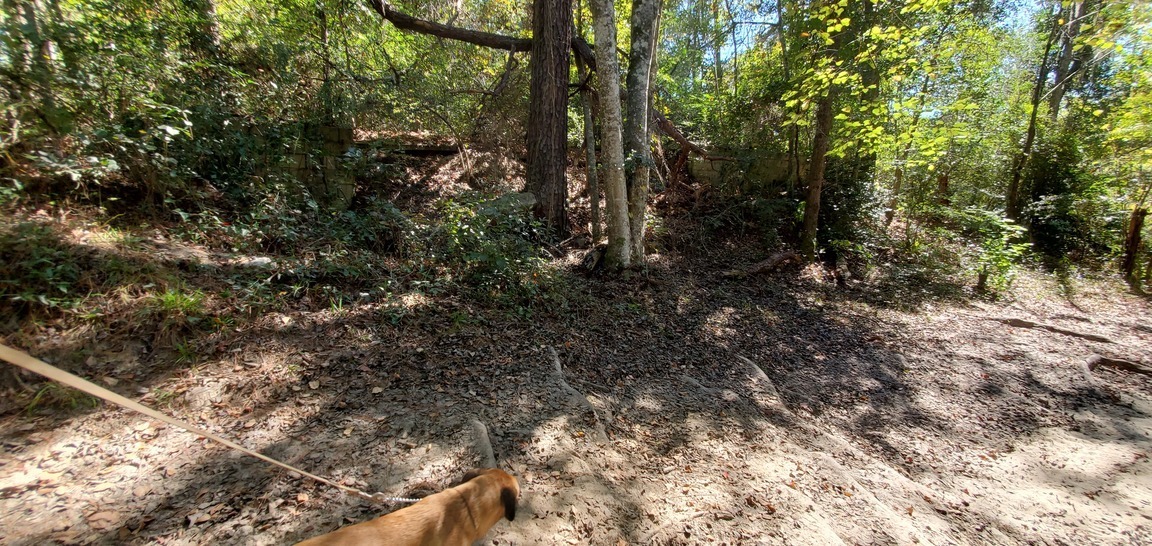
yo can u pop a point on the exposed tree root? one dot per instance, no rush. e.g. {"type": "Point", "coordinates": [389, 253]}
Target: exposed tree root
{"type": "Point", "coordinates": [763, 378]}
{"type": "Point", "coordinates": [824, 444]}
{"type": "Point", "coordinates": [483, 444]}
{"type": "Point", "coordinates": [577, 397]}
{"type": "Point", "coordinates": [1021, 323]}
{"type": "Point", "coordinates": [1095, 361]}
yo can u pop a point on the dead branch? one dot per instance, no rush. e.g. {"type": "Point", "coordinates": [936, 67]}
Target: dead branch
{"type": "Point", "coordinates": [403, 21]}
{"type": "Point", "coordinates": [773, 263]}
{"type": "Point", "coordinates": [671, 131]}
{"type": "Point", "coordinates": [1095, 361]}
{"type": "Point", "coordinates": [1021, 323]}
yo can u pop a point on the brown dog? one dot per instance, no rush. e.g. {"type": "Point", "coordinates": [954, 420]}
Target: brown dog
{"type": "Point", "coordinates": [454, 517]}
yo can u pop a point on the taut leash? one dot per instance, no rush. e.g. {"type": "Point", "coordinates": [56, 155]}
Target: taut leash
{"type": "Point", "coordinates": [24, 360]}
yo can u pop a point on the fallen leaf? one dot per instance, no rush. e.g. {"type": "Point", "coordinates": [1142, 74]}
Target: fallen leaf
{"type": "Point", "coordinates": [104, 519]}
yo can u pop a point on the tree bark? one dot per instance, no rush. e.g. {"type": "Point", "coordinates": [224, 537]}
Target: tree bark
{"type": "Point", "coordinates": [1066, 64]}
{"type": "Point", "coordinates": [636, 136]}
{"type": "Point", "coordinates": [407, 22]}
{"type": "Point", "coordinates": [618, 254]}
{"type": "Point", "coordinates": [816, 175]}
{"type": "Point", "coordinates": [590, 152]}
{"type": "Point", "coordinates": [548, 111]}
{"type": "Point", "coordinates": [404, 21]}
{"type": "Point", "coordinates": [1132, 242]}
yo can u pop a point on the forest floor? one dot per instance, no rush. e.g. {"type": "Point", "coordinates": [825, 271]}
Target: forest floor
{"type": "Point", "coordinates": [675, 407]}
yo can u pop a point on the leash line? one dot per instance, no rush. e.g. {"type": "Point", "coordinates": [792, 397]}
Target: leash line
{"type": "Point", "coordinates": [26, 361]}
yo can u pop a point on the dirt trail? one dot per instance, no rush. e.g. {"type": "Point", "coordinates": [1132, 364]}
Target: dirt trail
{"type": "Point", "coordinates": [749, 413]}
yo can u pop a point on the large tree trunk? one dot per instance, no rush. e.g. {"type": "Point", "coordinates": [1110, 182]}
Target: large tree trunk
{"type": "Point", "coordinates": [816, 175]}
{"type": "Point", "coordinates": [618, 254]}
{"type": "Point", "coordinates": [548, 111]}
{"type": "Point", "coordinates": [1013, 206]}
{"type": "Point", "coordinates": [1132, 242]}
{"type": "Point", "coordinates": [637, 145]}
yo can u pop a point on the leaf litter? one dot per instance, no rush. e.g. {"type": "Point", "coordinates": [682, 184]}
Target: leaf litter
{"type": "Point", "coordinates": [760, 411]}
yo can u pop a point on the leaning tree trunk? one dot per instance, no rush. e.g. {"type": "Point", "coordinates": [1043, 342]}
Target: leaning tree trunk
{"type": "Point", "coordinates": [618, 254]}
{"type": "Point", "coordinates": [636, 137]}
{"type": "Point", "coordinates": [1013, 206]}
{"type": "Point", "coordinates": [548, 111]}
{"type": "Point", "coordinates": [1068, 61]}
{"type": "Point", "coordinates": [816, 175]}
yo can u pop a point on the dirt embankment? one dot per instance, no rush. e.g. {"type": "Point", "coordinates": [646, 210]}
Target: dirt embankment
{"type": "Point", "coordinates": [698, 411]}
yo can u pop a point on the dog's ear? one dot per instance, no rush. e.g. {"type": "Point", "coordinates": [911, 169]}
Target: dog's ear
{"type": "Point", "coordinates": [508, 497]}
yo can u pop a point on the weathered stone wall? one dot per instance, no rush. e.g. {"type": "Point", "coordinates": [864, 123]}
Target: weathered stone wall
{"type": "Point", "coordinates": [317, 162]}
{"type": "Point", "coordinates": [749, 171]}
{"type": "Point", "coordinates": [316, 158]}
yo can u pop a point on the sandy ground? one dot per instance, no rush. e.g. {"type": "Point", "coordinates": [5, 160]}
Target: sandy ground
{"type": "Point", "coordinates": [760, 411]}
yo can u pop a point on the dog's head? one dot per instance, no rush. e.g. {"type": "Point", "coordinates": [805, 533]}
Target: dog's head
{"type": "Point", "coordinates": [509, 487]}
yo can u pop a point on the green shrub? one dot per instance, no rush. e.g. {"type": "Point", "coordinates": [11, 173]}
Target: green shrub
{"type": "Point", "coordinates": [492, 243]}
{"type": "Point", "coordinates": [997, 241]}
{"type": "Point", "coordinates": [38, 269]}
